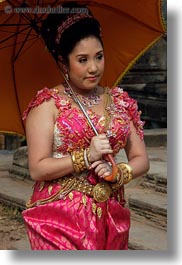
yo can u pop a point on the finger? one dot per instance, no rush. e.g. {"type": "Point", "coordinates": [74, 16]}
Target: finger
{"type": "Point", "coordinates": [100, 171]}
{"type": "Point", "coordinates": [105, 174]}
{"type": "Point", "coordinates": [100, 168]}
{"type": "Point", "coordinates": [96, 163]}
{"type": "Point", "coordinates": [106, 151]}
{"type": "Point", "coordinates": [104, 141]}
{"type": "Point", "coordinates": [102, 137]}
{"type": "Point", "coordinates": [105, 146]}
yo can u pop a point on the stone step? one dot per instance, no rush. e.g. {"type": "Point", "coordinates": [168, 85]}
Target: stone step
{"type": "Point", "coordinates": [146, 237]}
{"type": "Point", "coordinates": [157, 183]}
{"type": "Point", "coordinates": [147, 91]}
{"type": "Point", "coordinates": [152, 101]}
{"type": "Point", "coordinates": [156, 178]}
{"type": "Point", "coordinates": [156, 138]}
{"type": "Point", "coordinates": [18, 171]}
{"type": "Point", "coordinates": [133, 78]}
{"type": "Point", "coordinates": [153, 110]}
{"type": "Point", "coordinates": [19, 166]}
{"type": "Point", "coordinates": [14, 191]}
{"type": "Point", "coordinates": [148, 204]}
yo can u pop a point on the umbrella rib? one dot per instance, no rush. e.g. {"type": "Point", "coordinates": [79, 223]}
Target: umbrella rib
{"type": "Point", "coordinates": [21, 47]}
{"type": "Point", "coordinates": [16, 94]}
{"type": "Point", "coordinates": [35, 16]}
{"type": "Point", "coordinates": [28, 47]}
{"type": "Point", "coordinates": [15, 34]}
{"type": "Point", "coordinates": [7, 31]}
{"type": "Point", "coordinates": [13, 25]}
{"type": "Point", "coordinates": [10, 18]}
{"type": "Point", "coordinates": [22, 14]}
{"type": "Point", "coordinates": [14, 79]}
{"type": "Point", "coordinates": [11, 45]}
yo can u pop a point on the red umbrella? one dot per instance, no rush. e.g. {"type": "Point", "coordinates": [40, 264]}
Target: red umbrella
{"type": "Point", "coordinates": [129, 28]}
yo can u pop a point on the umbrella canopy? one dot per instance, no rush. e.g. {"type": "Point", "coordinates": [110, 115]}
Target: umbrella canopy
{"type": "Point", "coordinates": [129, 28]}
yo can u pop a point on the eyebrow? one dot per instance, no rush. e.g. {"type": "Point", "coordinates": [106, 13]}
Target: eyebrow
{"type": "Point", "coordinates": [82, 54]}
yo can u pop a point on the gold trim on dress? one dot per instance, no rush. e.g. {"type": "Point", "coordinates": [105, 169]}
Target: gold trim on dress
{"type": "Point", "coordinates": [99, 192]}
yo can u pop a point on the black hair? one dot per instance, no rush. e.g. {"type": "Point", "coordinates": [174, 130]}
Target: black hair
{"type": "Point", "coordinates": [83, 28]}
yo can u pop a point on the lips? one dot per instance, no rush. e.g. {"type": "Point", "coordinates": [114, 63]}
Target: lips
{"type": "Point", "coordinates": [92, 78]}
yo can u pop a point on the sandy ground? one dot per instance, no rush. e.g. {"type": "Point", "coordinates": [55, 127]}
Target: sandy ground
{"type": "Point", "coordinates": [12, 228]}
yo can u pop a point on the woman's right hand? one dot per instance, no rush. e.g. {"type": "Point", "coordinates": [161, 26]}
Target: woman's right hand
{"type": "Point", "coordinates": [99, 146]}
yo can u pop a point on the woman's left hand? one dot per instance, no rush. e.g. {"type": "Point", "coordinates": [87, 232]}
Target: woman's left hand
{"type": "Point", "coordinates": [102, 168]}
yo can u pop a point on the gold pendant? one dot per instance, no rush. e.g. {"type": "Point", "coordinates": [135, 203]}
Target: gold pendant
{"type": "Point", "coordinates": [50, 189]}
{"type": "Point", "coordinates": [70, 195]}
{"type": "Point", "coordinates": [101, 192]}
{"type": "Point", "coordinates": [41, 186]}
{"type": "Point", "coordinates": [99, 212]}
{"type": "Point", "coordinates": [94, 208]}
{"type": "Point", "coordinates": [84, 200]}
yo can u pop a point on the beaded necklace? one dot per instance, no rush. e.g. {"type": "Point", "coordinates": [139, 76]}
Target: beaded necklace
{"type": "Point", "coordinates": [89, 101]}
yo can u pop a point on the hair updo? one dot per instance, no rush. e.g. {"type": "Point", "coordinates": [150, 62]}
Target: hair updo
{"type": "Point", "coordinates": [81, 29]}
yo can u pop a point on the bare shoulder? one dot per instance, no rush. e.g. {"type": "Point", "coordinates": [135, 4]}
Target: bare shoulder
{"type": "Point", "coordinates": [43, 112]}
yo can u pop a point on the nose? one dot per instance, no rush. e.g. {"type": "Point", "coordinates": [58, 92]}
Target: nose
{"type": "Point", "coordinates": [92, 67]}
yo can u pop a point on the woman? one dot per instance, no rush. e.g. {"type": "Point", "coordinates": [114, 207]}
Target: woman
{"type": "Point", "coordinates": [77, 203]}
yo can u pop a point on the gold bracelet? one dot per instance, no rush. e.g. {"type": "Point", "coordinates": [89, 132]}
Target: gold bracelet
{"type": "Point", "coordinates": [119, 180]}
{"type": "Point", "coordinates": [127, 172]}
{"type": "Point", "coordinates": [78, 161]}
{"type": "Point", "coordinates": [86, 158]}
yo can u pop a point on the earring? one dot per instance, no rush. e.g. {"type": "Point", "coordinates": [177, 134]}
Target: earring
{"type": "Point", "coordinates": [67, 77]}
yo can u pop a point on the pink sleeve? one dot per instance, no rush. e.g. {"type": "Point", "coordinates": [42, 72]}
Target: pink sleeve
{"type": "Point", "coordinates": [40, 97]}
{"type": "Point", "coordinates": [130, 105]}
{"type": "Point", "coordinates": [134, 113]}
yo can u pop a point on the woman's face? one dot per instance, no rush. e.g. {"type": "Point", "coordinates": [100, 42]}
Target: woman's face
{"type": "Point", "coordinates": [86, 64]}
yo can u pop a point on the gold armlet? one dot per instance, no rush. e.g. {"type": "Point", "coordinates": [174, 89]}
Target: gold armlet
{"type": "Point", "coordinates": [127, 172]}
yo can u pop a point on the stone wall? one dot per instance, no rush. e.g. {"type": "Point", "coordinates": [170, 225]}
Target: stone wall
{"type": "Point", "coordinates": [9, 141]}
{"type": "Point", "coordinates": [19, 167]}
{"type": "Point", "coordinates": [2, 141]}
{"type": "Point", "coordinates": [147, 83]}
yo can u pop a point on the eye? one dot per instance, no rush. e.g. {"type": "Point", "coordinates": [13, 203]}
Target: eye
{"type": "Point", "coordinates": [83, 60]}
{"type": "Point", "coordinates": [100, 57]}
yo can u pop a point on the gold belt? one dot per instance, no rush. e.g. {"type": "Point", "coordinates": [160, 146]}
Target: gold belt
{"type": "Point", "coordinates": [100, 192]}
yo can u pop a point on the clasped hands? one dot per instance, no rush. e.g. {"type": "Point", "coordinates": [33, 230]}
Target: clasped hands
{"type": "Point", "coordinates": [99, 147]}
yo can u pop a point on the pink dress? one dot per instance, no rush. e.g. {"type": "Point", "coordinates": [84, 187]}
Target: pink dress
{"type": "Point", "coordinates": [61, 217]}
